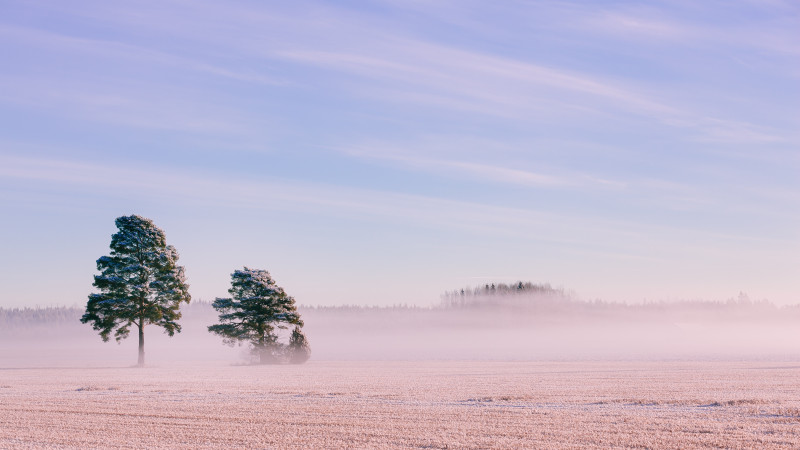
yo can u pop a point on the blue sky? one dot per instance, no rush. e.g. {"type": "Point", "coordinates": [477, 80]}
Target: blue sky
{"type": "Point", "coordinates": [383, 152]}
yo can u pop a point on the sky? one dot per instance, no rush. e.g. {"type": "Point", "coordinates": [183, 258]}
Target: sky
{"type": "Point", "coordinates": [382, 152]}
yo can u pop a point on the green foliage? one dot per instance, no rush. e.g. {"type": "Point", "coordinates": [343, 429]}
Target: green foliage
{"type": "Point", "coordinates": [256, 309]}
{"type": "Point", "coordinates": [139, 283]}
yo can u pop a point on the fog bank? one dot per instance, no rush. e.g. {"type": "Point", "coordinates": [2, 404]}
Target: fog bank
{"type": "Point", "coordinates": [554, 329]}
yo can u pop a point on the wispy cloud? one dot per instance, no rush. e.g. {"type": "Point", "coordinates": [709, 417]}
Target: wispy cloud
{"type": "Point", "coordinates": [408, 71]}
{"type": "Point", "coordinates": [400, 67]}
{"type": "Point", "coordinates": [110, 82]}
{"type": "Point", "coordinates": [473, 171]}
{"type": "Point", "coordinates": [264, 194]}
{"type": "Point", "coordinates": [775, 36]}
{"type": "Point", "coordinates": [212, 191]}
{"type": "Point", "coordinates": [137, 106]}
{"type": "Point", "coordinates": [488, 79]}
{"type": "Point", "coordinates": [111, 50]}
{"type": "Point", "coordinates": [620, 23]}
{"type": "Point", "coordinates": [395, 65]}
{"type": "Point", "coordinates": [703, 193]}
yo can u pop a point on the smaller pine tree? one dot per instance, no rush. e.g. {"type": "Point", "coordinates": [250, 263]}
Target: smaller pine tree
{"type": "Point", "coordinates": [256, 309]}
{"type": "Point", "coordinates": [299, 351]}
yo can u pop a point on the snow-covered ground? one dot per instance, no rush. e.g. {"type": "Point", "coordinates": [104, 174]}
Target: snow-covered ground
{"type": "Point", "coordinates": [416, 404]}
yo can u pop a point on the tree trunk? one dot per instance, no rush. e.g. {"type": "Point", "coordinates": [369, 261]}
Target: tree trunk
{"type": "Point", "coordinates": [141, 345]}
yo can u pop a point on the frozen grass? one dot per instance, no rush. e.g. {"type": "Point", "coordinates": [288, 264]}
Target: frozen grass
{"type": "Point", "coordinates": [405, 404]}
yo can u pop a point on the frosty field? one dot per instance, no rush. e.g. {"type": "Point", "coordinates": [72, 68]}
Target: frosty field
{"type": "Point", "coordinates": [390, 404]}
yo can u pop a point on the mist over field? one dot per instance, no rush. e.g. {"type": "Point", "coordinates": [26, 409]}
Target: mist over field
{"type": "Point", "coordinates": [480, 370]}
{"type": "Point", "coordinates": [547, 325]}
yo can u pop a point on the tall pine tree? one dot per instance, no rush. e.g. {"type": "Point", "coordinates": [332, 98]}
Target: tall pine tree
{"type": "Point", "coordinates": [139, 284]}
{"type": "Point", "coordinates": [256, 308]}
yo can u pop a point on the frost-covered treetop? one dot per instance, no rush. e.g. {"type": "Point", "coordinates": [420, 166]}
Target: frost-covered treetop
{"type": "Point", "coordinates": [253, 284]}
{"type": "Point", "coordinates": [254, 276]}
{"type": "Point", "coordinates": [136, 233]}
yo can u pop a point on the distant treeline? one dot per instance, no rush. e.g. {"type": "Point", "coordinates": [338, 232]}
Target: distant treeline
{"type": "Point", "coordinates": [521, 303]}
{"type": "Point", "coordinates": [54, 315]}
{"type": "Point", "coordinates": [500, 293]}
{"type": "Point", "coordinates": [16, 318]}
{"type": "Point", "coordinates": [542, 299]}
